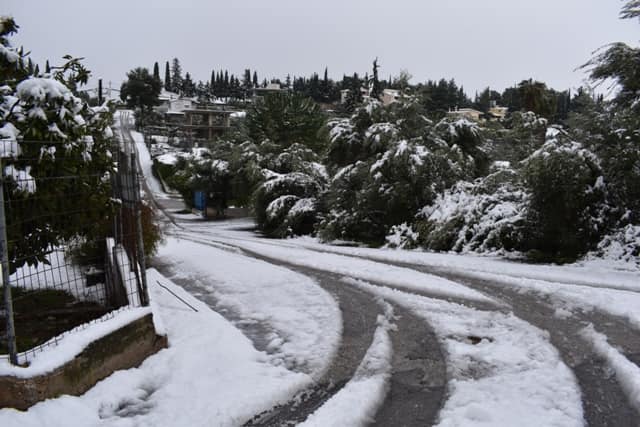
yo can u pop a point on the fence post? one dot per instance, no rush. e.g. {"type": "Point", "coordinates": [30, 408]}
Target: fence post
{"type": "Point", "coordinates": [4, 276]}
{"type": "Point", "coordinates": [144, 297]}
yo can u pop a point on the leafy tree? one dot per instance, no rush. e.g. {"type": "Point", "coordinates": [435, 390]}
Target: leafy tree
{"type": "Point", "coordinates": [140, 91]}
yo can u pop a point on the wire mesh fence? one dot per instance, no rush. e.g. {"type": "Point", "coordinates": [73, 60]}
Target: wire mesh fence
{"type": "Point", "coordinates": [71, 244]}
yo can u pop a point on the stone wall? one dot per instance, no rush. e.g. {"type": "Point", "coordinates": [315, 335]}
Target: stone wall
{"type": "Point", "coordinates": [124, 348]}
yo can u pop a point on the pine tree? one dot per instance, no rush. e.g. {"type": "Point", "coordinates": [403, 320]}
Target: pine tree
{"type": "Point", "coordinates": [176, 76]}
{"type": "Point", "coordinates": [255, 78]}
{"type": "Point", "coordinates": [47, 67]}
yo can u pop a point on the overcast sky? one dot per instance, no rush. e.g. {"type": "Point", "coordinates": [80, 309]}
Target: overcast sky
{"type": "Point", "coordinates": [478, 42]}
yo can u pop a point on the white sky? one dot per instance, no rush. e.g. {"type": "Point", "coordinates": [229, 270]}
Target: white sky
{"type": "Point", "coordinates": [478, 42]}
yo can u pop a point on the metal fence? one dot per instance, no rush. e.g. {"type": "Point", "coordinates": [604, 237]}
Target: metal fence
{"type": "Point", "coordinates": [71, 245]}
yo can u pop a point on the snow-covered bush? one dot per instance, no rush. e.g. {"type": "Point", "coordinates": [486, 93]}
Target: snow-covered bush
{"type": "Point", "coordinates": [620, 245]}
{"type": "Point", "coordinates": [284, 204]}
{"type": "Point", "coordinates": [402, 236]}
{"type": "Point", "coordinates": [484, 216]}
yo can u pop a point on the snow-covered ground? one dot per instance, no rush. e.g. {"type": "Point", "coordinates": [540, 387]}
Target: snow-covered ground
{"type": "Point", "coordinates": [304, 320]}
{"type": "Point", "coordinates": [211, 375]}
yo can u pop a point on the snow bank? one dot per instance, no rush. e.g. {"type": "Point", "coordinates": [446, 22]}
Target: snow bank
{"type": "Point", "coordinates": [502, 371]}
{"type": "Point", "coordinates": [357, 402]}
{"type": "Point", "coordinates": [210, 375]}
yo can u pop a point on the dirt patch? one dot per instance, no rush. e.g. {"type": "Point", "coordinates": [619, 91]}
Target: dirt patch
{"type": "Point", "coordinates": [43, 314]}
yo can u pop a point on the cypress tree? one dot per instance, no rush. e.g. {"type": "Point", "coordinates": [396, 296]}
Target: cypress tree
{"type": "Point", "coordinates": [375, 83]}
{"type": "Point", "coordinates": [255, 78]}
{"type": "Point", "coordinates": [156, 71]}
{"type": "Point", "coordinates": [167, 77]}
{"type": "Point", "coordinates": [246, 81]}
{"type": "Point", "coordinates": [47, 67]}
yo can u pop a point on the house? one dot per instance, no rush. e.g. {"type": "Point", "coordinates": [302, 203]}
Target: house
{"type": "Point", "coordinates": [269, 89]}
{"type": "Point", "coordinates": [497, 112]}
{"type": "Point", "coordinates": [466, 113]}
{"type": "Point", "coordinates": [191, 121]}
{"type": "Point", "coordinates": [389, 96]}
{"type": "Point", "coordinates": [205, 122]}
{"type": "Point", "coordinates": [170, 101]}
{"type": "Point", "coordinates": [344, 93]}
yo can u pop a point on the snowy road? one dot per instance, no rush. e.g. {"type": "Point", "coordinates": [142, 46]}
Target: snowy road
{"type": "Point", "coordinates": [567, 381]}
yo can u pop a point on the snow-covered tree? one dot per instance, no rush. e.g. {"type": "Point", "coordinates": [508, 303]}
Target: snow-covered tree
{"type": "Point", "coordinates": [48, 133]}
{"type": "Point", "coordinates": [388, 163]}
{"type": "Point", "coordinates": [287, 119]}
{"type": "Point", "coordinates": [140, 91]}
{"type": "Point", "coordinates": [567, 205]}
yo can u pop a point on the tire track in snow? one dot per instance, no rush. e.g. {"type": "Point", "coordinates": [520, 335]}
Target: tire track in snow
{"type": "Point", "coordinates": [604, 401]}
{"type": "Point", "coordinates": [418, 378]}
